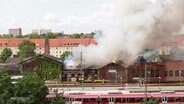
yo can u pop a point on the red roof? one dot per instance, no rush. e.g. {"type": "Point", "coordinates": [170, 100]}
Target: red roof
{"type": "Point", "coordinates": [67, 42]}
{"type": "Point", "coordinates": [63, 42]}
{"type": "Point", "coordinates": [14, 42]}
{"type": "Point", "coordinates": [38, 42]}
{"type": "Point", "coordinates": [10, 42]}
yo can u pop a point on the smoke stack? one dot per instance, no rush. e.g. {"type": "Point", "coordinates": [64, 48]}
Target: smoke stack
{"type": "Point", "coordinates": [47, 51]}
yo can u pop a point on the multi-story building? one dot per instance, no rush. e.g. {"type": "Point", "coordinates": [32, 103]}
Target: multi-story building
{"type": "Point", "coordinates": [174, 68]}
{"type": "Point", "coordinates": [15, 32]}
{"type": "Point", "coordinates": [36, 31]}
{"type": "Point", "coordinates": [166, 47]}
{"type": "Point", "coordinates": [54, 47]}
{"type": "Point", "coordinates": [41, 31]}
{"type": "Point", "coordinates": [59, 46]}
{"type": "Point", "coordinates": [175, 43]}
{"type": "Point", "coordinates": [13, 45]}
{"type": "Point", "coordinates": [45, 31]}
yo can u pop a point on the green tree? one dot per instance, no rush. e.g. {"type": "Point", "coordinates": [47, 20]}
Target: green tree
{"type": "Point", "coordinates": [7, 36]}
{"type": "Point", "coordinates": [5, 54]}
{"type": "Point", "coordinates": [58, 100]}
{"type": "Point", "coordinates": [49, 71]}
{"type": "Point", "coordinates": [32, 87]}
{"type": "Point", "coordinates": [26, 49]}
{"type": "Point", "coordinates": [18, 36]}
{"type": "Point", "coordinates": [6, 87]}
{"type": "Point", "coordinates": [34, 36]}
{"type": "Point", "coordinates": [49, 35]}
{"type": "Point", "coordinates": [65, 54]}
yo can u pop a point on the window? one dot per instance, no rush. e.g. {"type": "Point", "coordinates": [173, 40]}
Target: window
{"type": "Point", "coordinates": [170, 73]}
{"type": "Point", "coordinates": [182, 73]}
{"type": "Point", "coordinates": [157, 73]}
{"type": "Point", "coordinates": [165, 73]}
{"type": "Point", "coordinates": [152, 73]}
{"type": "Point", "coordinates": [134, 74]}
{"type": "Point", "coordinates": [177, 73]}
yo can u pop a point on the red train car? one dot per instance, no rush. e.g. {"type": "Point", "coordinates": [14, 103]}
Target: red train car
{"type": "Point", "coordinates": [131, 98]}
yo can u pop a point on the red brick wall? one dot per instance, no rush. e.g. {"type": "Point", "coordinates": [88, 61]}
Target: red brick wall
{"type": "Point", "coordinates": [173, 66]}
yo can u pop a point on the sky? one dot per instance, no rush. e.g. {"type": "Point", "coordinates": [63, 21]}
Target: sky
{"type": "Point", "coordinates": [68, 16]}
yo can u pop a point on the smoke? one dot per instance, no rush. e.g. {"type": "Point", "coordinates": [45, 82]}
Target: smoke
{"type": "Point", "coordinates": [142, 23]}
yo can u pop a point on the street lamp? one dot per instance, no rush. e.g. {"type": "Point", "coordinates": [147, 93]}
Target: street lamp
{"type": "Point", "coordinates": [159, 78]}
{"type": "Point", "coordinates": [180, 72]}
{"type": "Point", "coordinates": [121, 80]}
{"type": "Point", "coordinates": [145, 82]}
{"type": "Point", "coordinates": [116, 78]}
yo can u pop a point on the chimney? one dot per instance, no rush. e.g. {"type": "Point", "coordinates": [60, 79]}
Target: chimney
{"type": "Point", "coordinates": [46, 51]}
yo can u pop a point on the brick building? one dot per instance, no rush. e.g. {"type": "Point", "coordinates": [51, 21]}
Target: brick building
{"type": "Point", "coordinates": [155, 72]}
{"type": "Point", "coordinates": [173, 68]}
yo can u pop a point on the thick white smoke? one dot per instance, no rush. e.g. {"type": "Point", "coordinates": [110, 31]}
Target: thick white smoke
{"type": "Point", "coordinates": [141, 24]}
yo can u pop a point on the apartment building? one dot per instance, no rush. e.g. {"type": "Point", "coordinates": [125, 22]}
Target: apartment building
{"type": "Point", "coordinates": [54, 47]}
{"type": "Point", "coordinates": [175, 43]}
{"type": "Point", "coordinates": [15, 32]}
{"type": "Point", "coordinates": [58, 46]}
{"type": "Point", "coordinates": [41, 31]}
{"type": "Point", "coordinates": [13, 45]}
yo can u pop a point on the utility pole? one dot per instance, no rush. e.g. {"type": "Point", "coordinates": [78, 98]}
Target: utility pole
{"type": "Point", "coordinates": [145, 92]}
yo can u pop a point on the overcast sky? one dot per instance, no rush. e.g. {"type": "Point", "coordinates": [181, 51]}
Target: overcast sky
{"type": "Point", "coordinates": [70, 16]}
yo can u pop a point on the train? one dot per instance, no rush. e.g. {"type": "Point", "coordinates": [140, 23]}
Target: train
{"type": "Point", "coordinates": [122, 97]}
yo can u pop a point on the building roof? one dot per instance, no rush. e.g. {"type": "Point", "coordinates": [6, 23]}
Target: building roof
{"type": "Point", "coordinates": [38, 42]}
{"type": "Point", "coordinates": [173, 58]}
{"type": "Point", "coordinates": [68, 42]}
{"type": "Point", "coordinates": [14, 42]}
{"type": "Point", "coordinates": [42, 56]}
{"type": "Point", "coordinates": [61, 42]}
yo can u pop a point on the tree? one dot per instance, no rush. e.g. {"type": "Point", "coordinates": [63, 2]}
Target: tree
{"type": "Point", "coordinates": [49, 35]}
{"type": "Point", "coordinates": [26, 49]}
{"type": "Point", "coordinates": [34, 36]}
{"type": "Point", "coordinates": [6, 87]}
{"type": "Point", "coordinates": [58, 100]}
{"type": "Point", "coordinates": [31, 87]}
{"type": "Point", "coordinates": [5, 54]}
{"type": "Point", "coordinates": [65, 54]}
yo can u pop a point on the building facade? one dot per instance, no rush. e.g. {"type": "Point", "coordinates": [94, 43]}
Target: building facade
{"type": "Point", "coordinates": [59, 46]}
{"type": "Point", "coordinates": [13, 45]}
{"type": "Point", "coordinates": [174, 69]}
{"type": "Point", "coordinates": [154, 71]}
{"type": "Point", "coordinates": [54, 47]}
{"type": "Point", "coordinates": [15, 32]}
{"type": "Point", "coordinates": [41, 31]}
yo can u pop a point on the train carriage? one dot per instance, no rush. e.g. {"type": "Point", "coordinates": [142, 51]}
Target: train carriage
{"type": "Point", "coordinates": [129, 98]}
